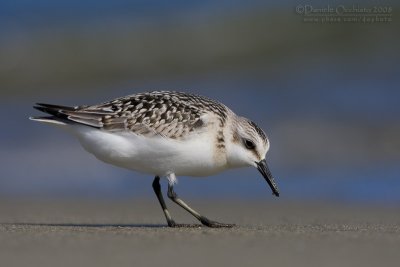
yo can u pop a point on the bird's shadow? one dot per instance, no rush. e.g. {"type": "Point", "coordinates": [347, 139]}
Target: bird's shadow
{"type": "Point", "coordinates": [107, 225]}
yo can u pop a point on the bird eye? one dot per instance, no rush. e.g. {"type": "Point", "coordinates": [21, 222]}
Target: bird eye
{"type": "Point", "coordinates": [249, 144]}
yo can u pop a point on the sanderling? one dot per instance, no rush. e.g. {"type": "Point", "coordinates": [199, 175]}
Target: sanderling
{"type": "Point", "coordinates": [166, 134]}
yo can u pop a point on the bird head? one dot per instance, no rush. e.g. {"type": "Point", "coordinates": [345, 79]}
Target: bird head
{"type": "Point", "coordinates": [249, 147]}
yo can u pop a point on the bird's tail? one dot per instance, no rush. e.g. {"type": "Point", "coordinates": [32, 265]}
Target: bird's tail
{"type": "Point", "coordinates": [56, 111]}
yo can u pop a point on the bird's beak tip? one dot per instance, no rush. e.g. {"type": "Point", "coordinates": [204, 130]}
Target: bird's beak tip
{"type": "Point", "coordinates": [263, 169]}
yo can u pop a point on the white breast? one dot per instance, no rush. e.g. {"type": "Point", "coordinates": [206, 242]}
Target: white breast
{"type": "Point", "coordinates": [156, 155]}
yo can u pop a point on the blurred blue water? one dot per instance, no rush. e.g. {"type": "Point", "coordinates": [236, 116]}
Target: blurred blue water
{"type": "Point", "coordinates": [40, 160]}
{"type": "Point", "coordinates": [36, 13]}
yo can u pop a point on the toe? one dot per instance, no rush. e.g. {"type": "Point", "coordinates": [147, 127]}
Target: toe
{"type": "Point", "coordinates": [214, 224]}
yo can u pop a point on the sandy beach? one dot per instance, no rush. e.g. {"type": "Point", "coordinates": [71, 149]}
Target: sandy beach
{"type": "Point", "coordinates": [133, 233]}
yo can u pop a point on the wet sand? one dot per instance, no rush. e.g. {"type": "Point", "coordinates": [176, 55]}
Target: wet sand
{"type": "Point", "coordinates": [133, 233]}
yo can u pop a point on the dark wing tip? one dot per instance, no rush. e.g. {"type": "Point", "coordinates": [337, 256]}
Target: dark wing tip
{"type": "Point", "coordinates": [59, 107]}
{"type": "Point", "coordinates": [50, 111]}
{"type": "Point", "coordinates": [55, 110]}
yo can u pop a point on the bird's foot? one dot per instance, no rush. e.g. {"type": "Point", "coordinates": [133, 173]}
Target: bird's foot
{"type": "Point", "coordinates": [172, 223]}
{"type": "Point", "coordinates": [186, 225]}
{"type": "Point", "coordinates": [214, 224]}
{"type": "Point", "coordinates": [204, 221]}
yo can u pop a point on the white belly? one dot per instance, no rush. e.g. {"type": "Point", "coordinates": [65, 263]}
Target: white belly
{"type": "Point", "coordinates": [153, 155]}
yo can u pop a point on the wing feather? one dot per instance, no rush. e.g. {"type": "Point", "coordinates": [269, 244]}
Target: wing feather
{"type": "Point", "coordinates": [169, 114]}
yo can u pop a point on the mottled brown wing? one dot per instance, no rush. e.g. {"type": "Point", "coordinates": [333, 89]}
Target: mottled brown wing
{"type": "Point", "coordinates": [156, 113]}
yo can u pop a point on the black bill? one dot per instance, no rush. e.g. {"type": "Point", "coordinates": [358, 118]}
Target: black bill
{"type": "Point", "coordinates": [263, 168]}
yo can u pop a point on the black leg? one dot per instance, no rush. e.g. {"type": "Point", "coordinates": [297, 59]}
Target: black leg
{"type": "Point", "coordinates": [157, 190]}
{"type": "Point", "coordinates": [174, 197]}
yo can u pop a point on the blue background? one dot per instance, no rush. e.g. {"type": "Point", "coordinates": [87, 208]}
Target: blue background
{"type": "Point", "coordinates": [326, 94]}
